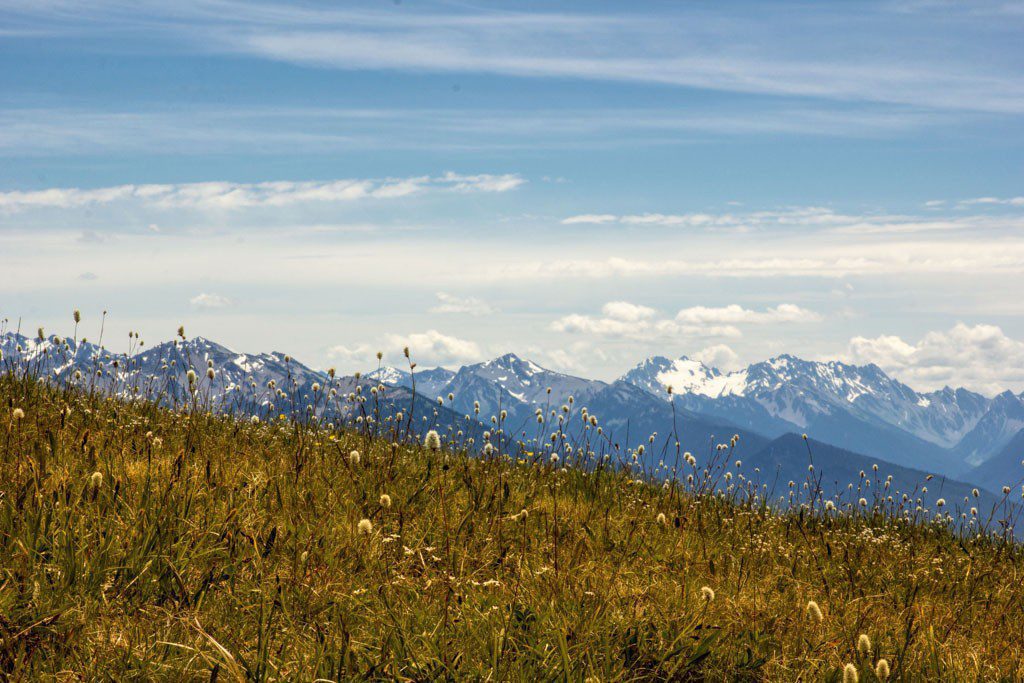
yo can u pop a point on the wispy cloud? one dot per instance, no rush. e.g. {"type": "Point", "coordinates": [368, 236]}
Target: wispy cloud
{"type": "Point", "coordinates": [269, 130]}
{"type": "Point", "coordinates": [896, 59]}
{"type": "Point", "coordinates": [207, 300]}
{"type": "Point", "coordinates": [230, 195]}
{"type": "Point", "coordinates": [812, 217]}
{"type": "Point", "coordinates": [470, 305]}
{"type": "Point", "coordinates": [994, 201]}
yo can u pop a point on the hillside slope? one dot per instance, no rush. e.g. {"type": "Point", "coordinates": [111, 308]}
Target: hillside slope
{"type": "Point", "coordinates": [137, 542]}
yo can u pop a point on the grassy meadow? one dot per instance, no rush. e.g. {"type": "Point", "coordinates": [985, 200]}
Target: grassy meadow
{"type": "Point", "coordinates": [138, 542]}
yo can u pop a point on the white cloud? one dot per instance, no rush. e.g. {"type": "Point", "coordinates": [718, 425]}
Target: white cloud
{"type": "Point", "coordinates": [607, 327]}
{"type": "Point", "coordinates": [353, 358]}
{"type": "Point", "coordinates": [426, 349]}
{"type": "Point", "coordinates": [205, 300]}
{"type": "Point", "coordinates": [1002, 201]}
{"type": "Point", "coordinates": [229, 195]}
{"type": "Point", "coordinates": [448, 303]}
{"type": "Point", "coordinates": [590, 218]}
{"type": "Point", "coordinates": [789, 259]}
{"type": "Point", "coordinates": [685, 220]}
{"type": "Point", "coordinates": [979, 357]}
{"type": "Point", "coordinates": [718, 356]}
{"type": "Point", "coordinates": [482, 182]}
{"type": "Point", "coordinates": [433, 348]}
{"type": "Point", "coordinates": [736, 314]}
{"type": "Point", "coordinates": [627, 312]}
{"type": "Point", "coordinates": [631, 321]}
{"type": "Point", "coordinates": [825, 219]}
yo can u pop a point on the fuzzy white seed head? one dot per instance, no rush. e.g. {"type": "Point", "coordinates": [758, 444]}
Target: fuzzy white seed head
{"type": "Point", "coordinates": [385, 500]}
{"type": "Point", "coordinates": [96, 480]}
{"type": "Point", "coordinates": [864, 644]}
{"type": "Point", "coordinates": [662, 520]}
{"type": "Point", "coordinates": [432, 441]}
{"type": "Point", "coordinates": [18, 414]}
{"type": "Point", "coordinates": [814, 612]}
{"type": "Point", "coordinates": [707, 593]}
{"type": "Point", "coordinates": [850, 674]}
{"type": "Point", "coordinates": [365, 526]}
{"type": "Point", "coordinates": [882, 669]}
{"type": "Point", "coordinates": [353, 458]}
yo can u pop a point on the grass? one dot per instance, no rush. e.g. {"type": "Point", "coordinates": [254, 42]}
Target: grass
{"type": "Point", "coordinates": [141, 542]}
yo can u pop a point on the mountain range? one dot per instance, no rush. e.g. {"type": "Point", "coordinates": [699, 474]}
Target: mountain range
{"type": "Point", "coordinates": [850, 409]}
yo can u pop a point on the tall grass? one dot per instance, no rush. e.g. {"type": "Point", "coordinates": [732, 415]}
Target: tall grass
{"type": "Point", "coordinates": [140, 540]}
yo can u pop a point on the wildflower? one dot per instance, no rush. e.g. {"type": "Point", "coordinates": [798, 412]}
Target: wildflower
{"type": "Point", "coordinates": [77, 315]}
{"type": "Point", "coordinates": [96, 480]}
{"type": "Point", "coordinates": [522, 516]}
{"type": "Point", "coordinates": [255, 419]}
{"type": "Point", "coordinates": [707, 593]}
{"type": "Point", "coordinates": [18, 414]}
{"type": "Point", "coordinates": [181, 331]}
{"type": "Point", "coordinates": [863, 502]}
{"type": "Point", "coordinates": [814, 612]}
{"type": "Point", "coordinates": [940, 502]}
{"type": "Point", "coordinates": [385, 500]}
{"type": "Point", "coordinates": [661, 519]}
{"type": "Point", "coordinates": [365, 526]}
{"type": "Point", "coordinates": [882, 669]}
{"type": "Point", "coordinates": [316, 387]}
{"type": "Point", "coordinates": [353, 458]}
{"type": "Point", "coordinates": [829, 506]}
{"type": "Point", "coordinates": [864, 644]}
{"type": "Point", "coordinates": [850, 674]}
{"type": "Point", "coordinates": [191, 376]}
{"type": "Point", "coordinates": [432, 441]}
{"type": "Point", "coordinates": [1006, 490]}
{"type": "Point", "coordinates": [210, 373]}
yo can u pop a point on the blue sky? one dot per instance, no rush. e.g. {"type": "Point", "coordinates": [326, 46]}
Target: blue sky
{"type": "Point", "coordinates": [582, 183]}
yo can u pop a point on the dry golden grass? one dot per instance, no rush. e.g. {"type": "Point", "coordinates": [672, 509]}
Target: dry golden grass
{"type": "Point", "coordinates": [207, 547]}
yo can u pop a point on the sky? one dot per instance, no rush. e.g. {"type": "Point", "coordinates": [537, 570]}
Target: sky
{"type": "Point", "coordinates": [585, 184]}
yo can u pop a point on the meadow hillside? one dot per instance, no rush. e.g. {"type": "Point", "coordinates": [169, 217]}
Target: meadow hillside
{"type": "Point", "coordinates": [138, 542]}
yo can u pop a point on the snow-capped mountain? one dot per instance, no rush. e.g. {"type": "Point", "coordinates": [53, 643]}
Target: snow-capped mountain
{"type": "Point", "coordinates": [858, 407]}
{"type": "Point", "coordinates": [797, 391]}
{"type": "Point", "coordinates": [1003, 420]}
{"type": "Point", "coordinates": [626, 413]}
{"type": "Point", "coordinates": [508, 382]}
{"type": "Point", "coordinates": [261, 384]}
{"type": "Point", "coordinates": [429, 382]}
